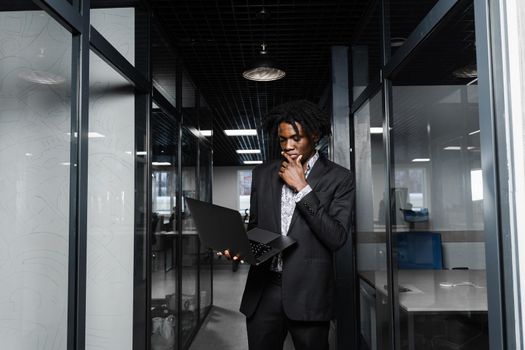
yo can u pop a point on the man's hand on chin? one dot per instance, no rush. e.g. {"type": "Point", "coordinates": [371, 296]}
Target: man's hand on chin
{"type": "Point", "coordinates": [292, 172]}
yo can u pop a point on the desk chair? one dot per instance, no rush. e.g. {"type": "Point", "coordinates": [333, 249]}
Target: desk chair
{"type": "Point", "coordinates": [419, 250]}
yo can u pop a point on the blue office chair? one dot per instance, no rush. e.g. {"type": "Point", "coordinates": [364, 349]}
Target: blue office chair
{"type": "Point", "coordinates": [419, 250]}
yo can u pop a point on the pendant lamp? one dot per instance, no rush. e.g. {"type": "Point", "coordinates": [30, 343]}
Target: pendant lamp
{"type": "Point", "coordinates": [263, 68]}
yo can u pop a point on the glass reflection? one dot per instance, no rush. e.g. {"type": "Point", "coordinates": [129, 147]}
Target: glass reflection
{"type": "Point", "coordinates": [117, 25]}
{"type": "Point", "coordinates": [165, 238]}
{"type": "Point", "coordinates": [190, 240]}
{"type": "Point", "coordinates": [370, 223]}
{"type": "Point", "coordinates": [366, 58]}
{"type": "Point", "coordinates": [436, 195]}
{"type": "Point", "coordinates": [205, 255]}
{"type": "Point", "coordinates": [403, 18]}
{"type": "Point", "coordinates": [163, 64]}
{"type": "Point", "coordinates": [111, 208]}
{"type": "Point", "coordinates": [35, 174]}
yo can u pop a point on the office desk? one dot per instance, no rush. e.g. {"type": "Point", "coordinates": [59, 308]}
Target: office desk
{"type": "Point", "coordinates": [427, 295]}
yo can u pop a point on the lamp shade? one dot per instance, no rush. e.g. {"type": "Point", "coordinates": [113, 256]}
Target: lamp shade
{"type": "Point", "coordinates": [263, 68]}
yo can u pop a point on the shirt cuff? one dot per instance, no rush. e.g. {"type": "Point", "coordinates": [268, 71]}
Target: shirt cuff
{"type": "Point", "coordinates": [299, 195]}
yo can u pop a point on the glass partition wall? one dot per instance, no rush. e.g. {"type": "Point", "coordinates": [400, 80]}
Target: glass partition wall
{"type": "Point", "coordinates": [91, 212]}
{"type": "Point", "coordinates": [437, 192]}
{"type": "Point", "coordinates": [37, 168]}
{"type": "Point", "coordinates": [421, 217]}
{"type": "Point", "coordinates": [181, 288]}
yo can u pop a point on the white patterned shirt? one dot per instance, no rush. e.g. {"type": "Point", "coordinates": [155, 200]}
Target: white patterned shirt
{"type": "Point", "coordinates": [288, 200]}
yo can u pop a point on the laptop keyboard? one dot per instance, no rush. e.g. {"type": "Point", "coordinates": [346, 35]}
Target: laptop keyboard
{"type": "Point", "coordinates": [258, 248]}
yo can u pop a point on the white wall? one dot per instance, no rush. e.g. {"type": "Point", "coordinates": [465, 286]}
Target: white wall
{"type": "Point", "coordinates": [225, 185]}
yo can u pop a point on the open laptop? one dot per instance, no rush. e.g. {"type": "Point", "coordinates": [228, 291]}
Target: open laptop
{"type": "Point", "coordinates": [222, 228]}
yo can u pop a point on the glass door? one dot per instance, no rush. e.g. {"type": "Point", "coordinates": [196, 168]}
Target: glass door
{"type": "Point", "coordinates": [436, 192]}
{"type": "Point", "coordinates": [205, 254]}
{"type": "Point", "coordinates": [165, 235]}
{"type": "Point", "coordinates": [190, 239]}
{"type": "Point", "coordinates": [371, 234]}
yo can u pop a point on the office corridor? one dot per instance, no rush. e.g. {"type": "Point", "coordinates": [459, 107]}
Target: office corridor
{"type": "Point", "coordinates": [225, 328]}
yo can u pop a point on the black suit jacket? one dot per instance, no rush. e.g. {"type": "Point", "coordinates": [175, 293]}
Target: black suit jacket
{"type": "Point", "coordinates": [320, 225]}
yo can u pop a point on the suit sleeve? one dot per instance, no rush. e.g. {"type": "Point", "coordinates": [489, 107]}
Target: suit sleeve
{"type": "Point", "coordinates": [253, 202]}
{"type": "Point", "coordinates": [330, 221]}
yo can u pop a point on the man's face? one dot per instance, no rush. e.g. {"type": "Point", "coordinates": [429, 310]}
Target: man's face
{"type": "Point", "coordinates": [295, 143]}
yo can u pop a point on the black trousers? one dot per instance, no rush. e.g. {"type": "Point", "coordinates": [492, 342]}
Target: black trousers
{"type": "Point", "coordinates": [268, 326]}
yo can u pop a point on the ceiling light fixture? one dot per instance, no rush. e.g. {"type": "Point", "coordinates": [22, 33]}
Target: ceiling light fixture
{"type": "Point", "coordinates": [417, 160]}
{"type": "Point", "coordinates": [41, 77]}
{"type": "Point", "coordinates": [397, 41]}
{"type": "Point", "coordinates": [376, 130]}
{"type": "Point", "coordinates": [247, 162]}
{"type": "Point", "coordinates": [241, 132]}
{"type": "Point", "coordinates": [263, 68]}
{"type": "Point", "coordinates": [248, 151]}
{"type": "Point", "coordinates": [160, 163]}
{"type": "Point", "coordinates": [91, 135]}
{"type": "Point", "coordinates": [205, 133]}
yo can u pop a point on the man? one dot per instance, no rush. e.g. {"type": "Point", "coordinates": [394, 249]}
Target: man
{"type": "Point", "coordinates": [308, 198]}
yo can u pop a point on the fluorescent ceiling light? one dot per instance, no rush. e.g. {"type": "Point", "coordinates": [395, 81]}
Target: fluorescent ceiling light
{"type": "Point", "coordinates": [248, 151]}
{"type": "Point", "coordinates": [253, 162]}
{"type": "Point", "coordinates": [65, 163]}
{"type": "Point", "coordinates": [376, 130]}
{"type": "Point", "coordinates": [141, 153]}
{"type": "Point", "coordinates": [205, 133]}
{"type": "Point", "coordinates": [160, 163]}
{"type": "Point", "coordinates": [91, 135]}
{"type": "Point", "coordinates": [452, 148]}
{"type": "Point", "coordinates": [240, 132]}
{"type": "Point", "coordinates": [416, 160]}
{"type": "Point", "coordinates": [474, 132]}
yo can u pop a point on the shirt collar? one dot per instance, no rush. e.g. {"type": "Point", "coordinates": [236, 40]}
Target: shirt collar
{"type": "Point", "coordinates": [311, 162]}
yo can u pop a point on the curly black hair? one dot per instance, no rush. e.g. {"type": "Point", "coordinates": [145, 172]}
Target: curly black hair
{"type": "Point", "coordinates": [312, 119]}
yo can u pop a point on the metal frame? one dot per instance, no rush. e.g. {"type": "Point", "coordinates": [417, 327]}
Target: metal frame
{"type": "Point", "coordinates": [111, 56]}
{"type": "Point", "coordinates": [489, 161]}
{"type": "Point", "coordinates": [422, 31]}
{"type": "Point", "coordinates": [499, 267]}
{"type": "Point", "coordinates": [81, 59]}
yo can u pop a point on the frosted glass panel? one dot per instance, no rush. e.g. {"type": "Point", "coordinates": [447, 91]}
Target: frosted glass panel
{"type": "Point", "coordinates": [117, 25]}
{"type": "Point", "coordinates": [35, 121]}
{"type": "Point", "coordinates": [109, 309]}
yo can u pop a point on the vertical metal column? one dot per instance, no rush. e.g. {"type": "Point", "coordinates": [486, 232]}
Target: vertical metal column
{"type": "Point", "coordinates": [489, 162]}
{"type": "Point", "coordinates": [344, 259]}
{"type": "Point", "coordinates": [82, 113]}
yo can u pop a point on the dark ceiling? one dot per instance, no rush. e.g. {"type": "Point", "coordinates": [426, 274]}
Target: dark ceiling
{"type": "Point", "coordinates": [218, 39]}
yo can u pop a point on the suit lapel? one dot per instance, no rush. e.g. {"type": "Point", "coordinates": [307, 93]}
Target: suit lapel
{"type": "Point", "coordinates": [315, 175]}
{"type": "Point", "coordinates": [277, 186]}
